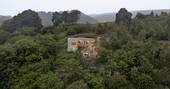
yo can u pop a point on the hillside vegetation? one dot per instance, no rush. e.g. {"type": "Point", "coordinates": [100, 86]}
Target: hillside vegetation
{"type": "Point", "coordinates": [134, 53]}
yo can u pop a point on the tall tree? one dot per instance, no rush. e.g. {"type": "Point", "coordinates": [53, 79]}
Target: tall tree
{"type": "Point", "coordinates": [74, 16]}
{"type": "Point", "coordinates": [152, 14]}
{"type": "Point", "coordinates": [140, 16]}
{"type": "Point", "coordinates": [57, 18]}
{"type": "Point", "coordinates": [67, 17]}
{"type": "Point", "coordinates": [123, 16]}
{"type": "Point", "coordinates": [27, 18]}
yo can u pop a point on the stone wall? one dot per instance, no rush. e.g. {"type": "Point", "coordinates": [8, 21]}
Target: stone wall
{"type": "Point", "coordinates": [74, 43]}
{"type": "Point", "coordinates": [88, 47]}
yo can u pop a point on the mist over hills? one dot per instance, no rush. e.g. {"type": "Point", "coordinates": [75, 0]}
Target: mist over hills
{"type": "Point", "coordinates": [86, 19]}
{"type": "Point", "coordinates": [110, 17]}
{"type": "Point", "coordinates": [106, 17]}
{"type": "Point", "coordinates": [92, 19]}
{"type": "Point", "coordinates": [46, 18]}
{"type": "Point", "coordinates": [3, 18]}
{"type": "Point", "coordinates": [146, 12]}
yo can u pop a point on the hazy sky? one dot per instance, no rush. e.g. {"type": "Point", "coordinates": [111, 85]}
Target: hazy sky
{"type": "Point", "coordinates": [12, 7]}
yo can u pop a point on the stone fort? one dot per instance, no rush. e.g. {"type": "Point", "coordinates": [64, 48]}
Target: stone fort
{"type": "Point", "coordinates": [87, 46]}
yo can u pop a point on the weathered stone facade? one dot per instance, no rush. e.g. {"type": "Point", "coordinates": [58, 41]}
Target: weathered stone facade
{"type": "Point", "coordinates": [87, 46]}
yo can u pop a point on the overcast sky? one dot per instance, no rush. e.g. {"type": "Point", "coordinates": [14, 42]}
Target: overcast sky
{"type": "Point", "coordinates": [12, 7]}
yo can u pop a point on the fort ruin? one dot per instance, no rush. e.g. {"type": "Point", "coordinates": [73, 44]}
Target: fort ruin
{"type": "Point", "coordinates": [87, 46]}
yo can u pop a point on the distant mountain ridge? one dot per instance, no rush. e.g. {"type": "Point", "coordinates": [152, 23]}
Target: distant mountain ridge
{"type": "Point", "coordinates": [46, 17]}
{"type": "Point", "coordinates": [110, 17]}
{"type": "Point", "coordinates": [106, 17]}
{"type": "Point", "coordinates": [146, 12]}
{"type": "Point", "coordinates": [83, 19]}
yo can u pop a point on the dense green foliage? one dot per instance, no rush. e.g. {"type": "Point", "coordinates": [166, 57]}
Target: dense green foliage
{"type": "Point", "coordinates": [132, 56]}
{"type": "Point", "coordinates": [123, 16]}
{"type": "Point", "coordinates": [27, 18]}
{"type": "Point", "coordinates": [66, 17]}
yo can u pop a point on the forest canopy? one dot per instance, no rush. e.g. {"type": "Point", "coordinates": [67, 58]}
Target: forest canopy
{"type": "Point", "coordinates": [134, 53]}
